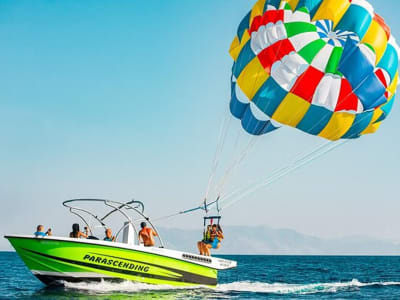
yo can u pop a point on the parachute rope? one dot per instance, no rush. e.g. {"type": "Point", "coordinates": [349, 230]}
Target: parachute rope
{"type": "Point", "coordinates": [230, 171]}
{"type": "Point", "coordinates": [279, 173]}
{"type": "Point", "coordinates": [326, 148]}
{"type": "Point", "coordinates": [319, 151]}
{"type": "Point", "coordinates": [224, 128]}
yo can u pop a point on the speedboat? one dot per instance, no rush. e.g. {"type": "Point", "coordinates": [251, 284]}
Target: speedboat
{"type": "Point", "coordinates": [54, 259]}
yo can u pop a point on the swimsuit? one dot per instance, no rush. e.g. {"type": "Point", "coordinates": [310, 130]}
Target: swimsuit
{"type": "Point", "coordinates": [215, 243]}
{"type": "Point", "coordinates": [40, 233]}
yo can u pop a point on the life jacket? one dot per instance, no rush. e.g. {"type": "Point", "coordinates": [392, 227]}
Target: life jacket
{"type": "Point", "coordinates": [207, 235]}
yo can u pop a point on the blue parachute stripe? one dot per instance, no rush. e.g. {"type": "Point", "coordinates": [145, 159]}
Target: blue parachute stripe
{"type": "Point", "coordinates": [245, 56]}
{"type": "Point", "coordinates": [236, 107]}
{"type": "Point", "coordinates": [233, 85]}
{"type": "Point", "coordinates": [366, 85]}
{"type": "Point", "coordinates": [274, 3]}
{"type": "Point", "coordinates": [269, 96]}
{"type": "Point", "coordinates": [331, 42]}
{"type": "Point", "coordinates": [389, 61]}
{"type": "Point", "coordinates": [324, 26]}
{"type": "Point", "coordinates": [255, 126]}
{"type": "Point", "coordinates": [243, 112]}
{"type": "Point", "coordinates": [315, 120]}
{"type": "Point", "coordinates": [371, 92]}
{"type": "Point", "coordinates": [356, 19]}
{"type": "Point", "coordinates": [342, 42]}
{"type": "Point", "coordinates": [360, 123]}
{"type": "Point", "coordinates": [243, 26]}
{"type": "Point", "coordinates": [311, 5]}
{"type": "Point", "coordinates": [387, 108]}
{"type": "Point", "coordinates": [352, 56]}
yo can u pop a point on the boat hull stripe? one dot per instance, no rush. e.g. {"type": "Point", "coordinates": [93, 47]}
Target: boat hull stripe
{"type": "Point", "coordinates": [186, 276]}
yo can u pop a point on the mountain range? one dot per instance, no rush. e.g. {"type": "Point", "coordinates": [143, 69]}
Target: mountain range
{"type": "Point", "coordinates": [267, 240]}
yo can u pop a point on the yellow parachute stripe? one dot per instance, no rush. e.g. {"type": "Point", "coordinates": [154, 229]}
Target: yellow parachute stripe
{"type": "Point", "coordinates": [393, 86]}
{"type": "Point", "coordinates": [237, 47]}
{"type": "Point", "coordinates": [233, 50]}
{"type": "Point", "coordinates": [377, 114]}
{"type": "Point", "coordinates": [257, 10]}
{"type": "Point", "coordinates": [291, 110]}
{"type": "Point", "coordinates": [332, 10]}
{"type": "Point", "coordinates": [372, 127]}
{"type": "Point", "coordinates": [252, 78]}
{"type": "Point", "coordinates": [337, 126]}
{"type": "Point", "coordinates": [377, 38]}
{"type": "Point", "coordinates": [293, 3]}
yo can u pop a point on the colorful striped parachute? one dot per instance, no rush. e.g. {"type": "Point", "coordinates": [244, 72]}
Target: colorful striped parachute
{"type": "Point", "coordinates": [326, 67]}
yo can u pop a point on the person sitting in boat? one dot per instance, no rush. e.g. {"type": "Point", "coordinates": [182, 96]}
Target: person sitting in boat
{"type": "Point", "coordinates": [40, 231]}
{"type": "Point", "coordinates": [214, 241]}
{"type": "Point", "coordinates": [76, 233]}
{"type": "Point", "coordinates": [109, 237]}
{"type": "Point", "coordinates": [146, 235]}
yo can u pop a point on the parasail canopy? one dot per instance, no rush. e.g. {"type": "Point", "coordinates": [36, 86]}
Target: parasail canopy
{"type": "Point", "coordinates": [326, 67]}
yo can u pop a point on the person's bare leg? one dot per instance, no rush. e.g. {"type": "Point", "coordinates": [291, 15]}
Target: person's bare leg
{"type": "Point", "coordinates": [207, 248]}
{"type": "Point", "coordinates": [204, 248]}
{"type": "Point", "coordinates": [200, 247]}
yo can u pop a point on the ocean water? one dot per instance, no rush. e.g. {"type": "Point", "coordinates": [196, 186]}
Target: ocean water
{"type": "Point", "coordinates": [257, 277]}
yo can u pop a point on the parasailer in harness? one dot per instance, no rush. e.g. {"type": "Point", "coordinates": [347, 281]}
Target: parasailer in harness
{"type": "Point", "coordinates": [212, 237]}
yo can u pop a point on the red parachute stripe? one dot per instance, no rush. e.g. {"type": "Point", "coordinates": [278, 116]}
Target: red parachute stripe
{"type": "Point", "coordinates": [347, 99]}
{"type": "Point", "coordinates": [274, 53]}
{"type": "Point", "coordinates": [381, 77]}
{"type": "Point", "coordinates": [307, 83]}
{"type": "Point", "coordinates": [257, 21]}
{"type": "Point", "coordinates": [270, 16]}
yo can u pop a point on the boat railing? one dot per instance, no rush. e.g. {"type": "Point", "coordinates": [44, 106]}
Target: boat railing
{"type": "Point", "coordinates": [134, 205]}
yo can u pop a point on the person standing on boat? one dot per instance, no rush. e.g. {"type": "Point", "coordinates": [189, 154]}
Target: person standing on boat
{"type": "Point", "coordinates": [146, 235]}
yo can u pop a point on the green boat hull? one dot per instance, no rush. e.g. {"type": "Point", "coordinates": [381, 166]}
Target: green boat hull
{"type": "Point", "coordinates": [53, 261]}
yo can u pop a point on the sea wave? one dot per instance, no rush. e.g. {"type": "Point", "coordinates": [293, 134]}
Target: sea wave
{"type": "Point", "coordinates": [299, 289]}
{"type": "Point", "coordinates": [240, 286]}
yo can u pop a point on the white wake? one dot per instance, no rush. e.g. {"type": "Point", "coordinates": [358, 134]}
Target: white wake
{"type": "Point", "coordinates": [240, 286]}
{"type": "Point", "coordinates": [285, 288]}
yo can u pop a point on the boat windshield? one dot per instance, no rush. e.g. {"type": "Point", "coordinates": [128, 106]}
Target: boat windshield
{"type": "Point", "coordinates": [100, 214]}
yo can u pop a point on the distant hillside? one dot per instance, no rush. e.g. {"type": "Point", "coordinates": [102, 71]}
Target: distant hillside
{"type": "Point", "coordinates": [266, 240]}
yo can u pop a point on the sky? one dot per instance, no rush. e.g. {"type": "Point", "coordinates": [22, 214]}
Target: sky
{"type": "Point", "coordinates": [125, 99]}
